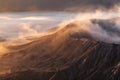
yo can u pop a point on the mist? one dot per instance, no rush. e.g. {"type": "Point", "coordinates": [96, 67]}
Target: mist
{"type": "Point", "coordinates": [29, 23]}
{"type": "Point", "coordinates": [22, 28]}
{"type": "Point", "coordinates": [100, 30]}
{"type": "Point", "coordinates": [101, 26]}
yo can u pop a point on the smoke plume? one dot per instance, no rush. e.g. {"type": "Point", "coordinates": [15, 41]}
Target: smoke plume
{"type": "Point", "coordinates": [105, 30]}
{"type": "Point", "coordinates": [101, 26]}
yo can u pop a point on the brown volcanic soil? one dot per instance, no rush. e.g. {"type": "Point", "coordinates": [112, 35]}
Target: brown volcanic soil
{"type": "Point", "coordinates": [60, 56]}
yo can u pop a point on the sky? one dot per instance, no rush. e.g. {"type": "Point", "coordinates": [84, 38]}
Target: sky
{"type": "Point", "coordinates": [50, 13]}
{"type": "Point", "coordinates": [26, 23]}
{"type": "Point", "coordinates": [55, 5]}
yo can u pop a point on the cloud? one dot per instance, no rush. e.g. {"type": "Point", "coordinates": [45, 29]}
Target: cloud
{"type": "Point", "coordinates": [27, 29]}
{"type": "Point", "coordinates": [91, 15]}
{"type": "Point", "coordinates": [5, 18]}
{"type": "Point", "coordinates": [36, 18]}
{"type": "Point", "coordinates": [101, 26]}
{"type": "Point", "coordinates": [89, 22]}
{"type": "Point", "coordinates": [101, 30]}
{"type": "Point", "coordinates": [55, 5]}
{"type": "Point", "coordinates": [31, 18]}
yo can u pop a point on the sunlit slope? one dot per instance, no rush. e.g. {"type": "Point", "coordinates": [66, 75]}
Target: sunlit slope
{"type": "Point", "coordinates": [62, 56]}
{"type": "Point", "coordinates": [51, 52]}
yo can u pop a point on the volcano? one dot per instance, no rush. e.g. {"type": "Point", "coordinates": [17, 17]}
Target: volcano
{"type": "Point", "coordinates": [62, 56]}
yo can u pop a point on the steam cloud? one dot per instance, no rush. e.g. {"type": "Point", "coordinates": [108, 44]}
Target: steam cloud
{"type": "Point", "coordinates": [101, 30]}
{"type": "Point", "coordinates": [102, 26]}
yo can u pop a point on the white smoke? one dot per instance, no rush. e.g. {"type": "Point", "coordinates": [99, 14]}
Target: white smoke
{"type": "Point", "coordinates": [102, 26]}
{"type": "Point", "coordinates": [104, 32]}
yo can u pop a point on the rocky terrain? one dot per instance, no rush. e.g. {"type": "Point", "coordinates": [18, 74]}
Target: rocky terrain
{"type": "Point", "coordinates": [62, 56]}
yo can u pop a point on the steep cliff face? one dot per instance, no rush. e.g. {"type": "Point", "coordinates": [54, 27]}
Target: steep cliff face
{"type": "Point", "coordinates": [60, 56]}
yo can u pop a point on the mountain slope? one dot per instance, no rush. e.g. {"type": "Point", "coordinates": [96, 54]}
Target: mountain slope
{"type": "Point", "coordinates": [60, 56]}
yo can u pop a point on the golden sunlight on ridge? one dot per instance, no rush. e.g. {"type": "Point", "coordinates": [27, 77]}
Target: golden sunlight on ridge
{"type": "Point", "coordinates": [3, 50]}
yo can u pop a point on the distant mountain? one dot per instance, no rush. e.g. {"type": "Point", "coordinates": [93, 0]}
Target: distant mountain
{"type": "Point", "coordinates": [60, 56]}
